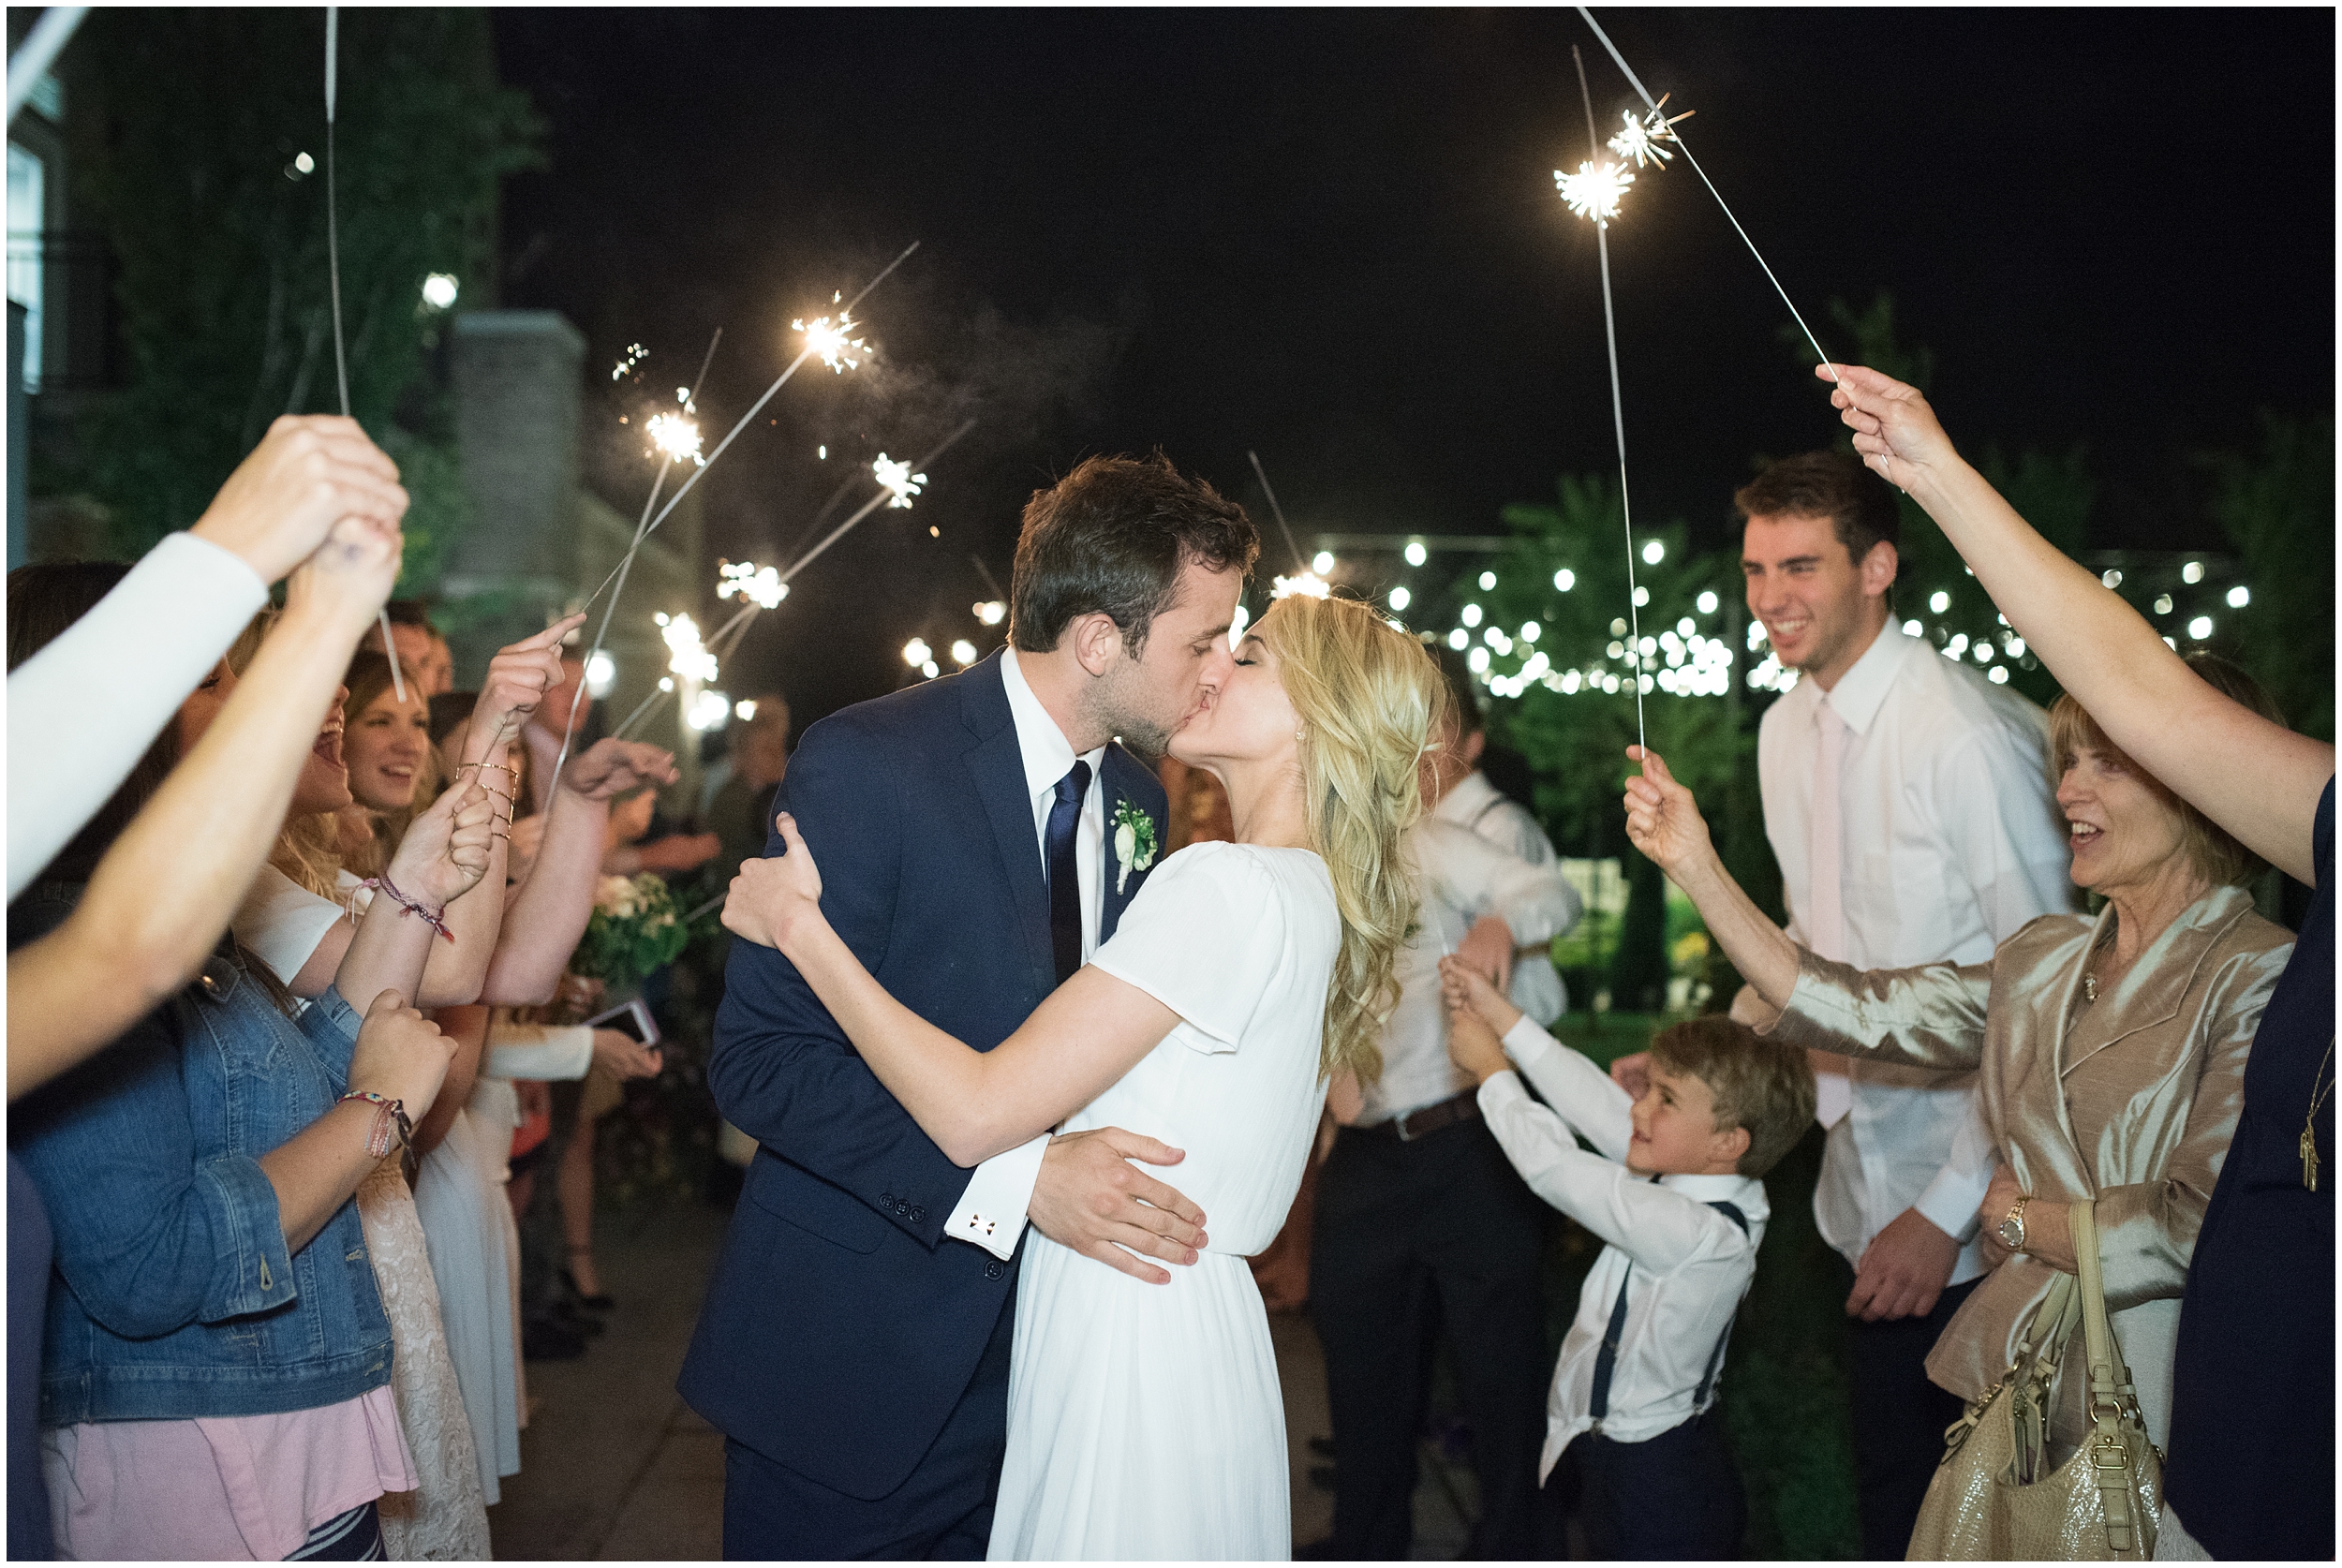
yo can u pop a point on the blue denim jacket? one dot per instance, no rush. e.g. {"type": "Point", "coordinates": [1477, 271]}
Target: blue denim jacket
{"type": "Point", "coordinates": [174, 1294]}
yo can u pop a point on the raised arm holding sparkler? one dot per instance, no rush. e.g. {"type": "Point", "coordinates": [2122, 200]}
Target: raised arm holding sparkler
{"type": "Point", "coordinates": [2101, 650]}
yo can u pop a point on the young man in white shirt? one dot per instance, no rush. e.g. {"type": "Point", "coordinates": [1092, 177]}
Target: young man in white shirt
{"type": "Point", "coordinates": [1908, 801]}
{"type": "Point", "coordinates": [1420, 1227]}
{"type": "Point", "coordinates": [1674, 1189]}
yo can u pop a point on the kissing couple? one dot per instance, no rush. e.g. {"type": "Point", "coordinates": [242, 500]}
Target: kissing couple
{"type": "Point", "coordinates": [969, 998]}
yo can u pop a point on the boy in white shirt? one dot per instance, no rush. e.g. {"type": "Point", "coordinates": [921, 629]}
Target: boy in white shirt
{"type": "Point", "coordinates": [1675, 1193]}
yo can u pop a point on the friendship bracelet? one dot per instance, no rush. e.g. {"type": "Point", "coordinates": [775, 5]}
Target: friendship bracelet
{"type": "Point", "coordinates": [389, 1115]}
{"type": "Point", "coordinates": [409, 907]}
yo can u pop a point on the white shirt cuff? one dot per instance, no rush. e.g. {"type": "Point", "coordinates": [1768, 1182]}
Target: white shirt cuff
{"type": "Point", "coordinates": [991, 1212]}
{"type": "Point", "coordinates": [1951, 1202]}
{"type": "Point", "coordinates": [1525, 1042]}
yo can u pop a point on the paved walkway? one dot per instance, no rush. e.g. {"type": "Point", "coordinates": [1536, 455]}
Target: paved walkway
{"type": "Point", "coordinates": [614, 1466]}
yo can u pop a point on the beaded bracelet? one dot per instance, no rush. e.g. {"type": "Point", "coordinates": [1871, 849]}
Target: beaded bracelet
{"type": "Point", "coordinates": [409, 907]}
{"type": "Point", "coordinates": [389, 1115]}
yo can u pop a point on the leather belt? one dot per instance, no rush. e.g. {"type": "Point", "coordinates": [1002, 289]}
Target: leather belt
{"type": "Point", "coordinates": [1430, 1119]}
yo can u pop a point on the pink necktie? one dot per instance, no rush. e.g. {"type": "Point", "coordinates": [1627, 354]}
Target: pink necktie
{"type": "Point", "coordinates": [1825, 911]}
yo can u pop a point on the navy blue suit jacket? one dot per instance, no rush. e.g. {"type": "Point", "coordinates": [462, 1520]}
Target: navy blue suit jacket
{"type": "Point", "coordinates": [842, 1326]}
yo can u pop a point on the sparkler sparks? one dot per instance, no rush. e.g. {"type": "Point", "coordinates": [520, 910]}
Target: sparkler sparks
{"type": "Point", "coordinates": [1645, 140]}
{"type": "Point", "coordinates": [761, 585]}
{"type": "Point", "coordinates": [829, 339]}
{"type": "Point", "coordinates": [1594, 191]}
{"type": "Point", "coordinates": [675, 437]}
{"type": "Point", "coordinates": [1307, 584]}
{"type": "Point", "coordinates": [686, 656]}
{"type": "Point", "coordinates": [898, 478]}
{"type": "Point", "coordinates": [635, 354]}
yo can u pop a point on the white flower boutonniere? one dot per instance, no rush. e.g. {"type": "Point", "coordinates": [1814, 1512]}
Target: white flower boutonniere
{"type": "Point", "coordinates": [1134, 841]}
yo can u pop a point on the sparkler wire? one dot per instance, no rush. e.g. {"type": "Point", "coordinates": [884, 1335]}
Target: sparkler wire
{"type": "Point", "coordinates": [1299, 564]}
{"type": "Point", "coordinates": [568, 721]}
{"type": "Point", "coordinates": [334, 279]}
{"type": "Point", "coordinates": [746, 615]}
{"type": "Point", "coordinates": [1635, 82]}
{"type": "Point", "coordinates": [1618, 415]}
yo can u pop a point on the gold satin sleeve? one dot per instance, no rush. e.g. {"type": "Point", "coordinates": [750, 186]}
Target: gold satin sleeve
{"type": "Point", "coordinates": [1930, 1017]}
{"type": "Point", "coordinates": [2147, 1230]}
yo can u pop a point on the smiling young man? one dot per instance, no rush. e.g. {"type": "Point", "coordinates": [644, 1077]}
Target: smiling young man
{"type": "Point", "coordinates": [1908, 802]}
{"type": "Point", "coordinates": [854, 1344]}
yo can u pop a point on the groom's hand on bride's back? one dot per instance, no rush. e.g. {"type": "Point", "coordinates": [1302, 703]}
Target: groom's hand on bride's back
{"type": "Point", "coordinates": [1090, 1198]}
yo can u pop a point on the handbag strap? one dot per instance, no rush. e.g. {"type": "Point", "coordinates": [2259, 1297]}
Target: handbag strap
{"type": "Point", "coordinates": [2113, 1401]}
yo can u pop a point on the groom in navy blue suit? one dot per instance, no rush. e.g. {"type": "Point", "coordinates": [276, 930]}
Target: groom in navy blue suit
{"type": "Point", "coordinates": [854, 1344]}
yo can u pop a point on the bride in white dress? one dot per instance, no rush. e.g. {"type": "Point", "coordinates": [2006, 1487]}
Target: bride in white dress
{"type": "Point", "coordinates": [1145, 1421]}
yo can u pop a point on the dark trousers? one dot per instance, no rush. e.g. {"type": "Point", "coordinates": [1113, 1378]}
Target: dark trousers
{"type": "Point", "coordinates": [1411, 1237]}
{"type": "Point", "coordinates": [943, 1511]}
{"type": "Point", "coordinates": [1674, 1497]}
{"type": "Point", "coordinates": [1898, 1418]}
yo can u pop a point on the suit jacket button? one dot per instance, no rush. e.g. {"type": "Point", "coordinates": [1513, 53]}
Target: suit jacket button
{"type": "Point", "coordinates": [917, 1213]}
{"type": "Point", "coordinates": [994, 1269]}
{"type": "Point", "coordinates": [887, 1198]}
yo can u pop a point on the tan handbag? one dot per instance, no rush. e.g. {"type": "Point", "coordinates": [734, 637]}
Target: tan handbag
{"type": "Point", "coordinates": [1990, 1500]}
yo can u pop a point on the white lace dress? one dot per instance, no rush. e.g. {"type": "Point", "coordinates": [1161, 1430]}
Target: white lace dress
{"type": "Point", "coordinates": [1145, 1421]}
{"type": "Point", "coordinates": [445, 1520]}
{"type": "Point", "coordinates": [446, 1517]}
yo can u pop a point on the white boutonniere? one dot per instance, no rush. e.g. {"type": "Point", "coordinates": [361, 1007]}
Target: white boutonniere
{"type": "Point", "coordinates": [1134, 841]}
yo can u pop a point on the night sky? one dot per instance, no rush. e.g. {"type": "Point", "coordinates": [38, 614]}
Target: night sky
{"type": "Point", "coordinates": [1333, 236]}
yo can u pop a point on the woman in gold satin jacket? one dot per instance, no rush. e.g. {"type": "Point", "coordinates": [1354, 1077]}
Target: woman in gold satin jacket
{"type": "Point", "coordinates": [2111, 1050]}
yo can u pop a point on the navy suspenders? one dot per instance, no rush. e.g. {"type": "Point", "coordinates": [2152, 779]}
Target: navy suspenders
{"type": "Point", "coordinates": [1605, 1359]}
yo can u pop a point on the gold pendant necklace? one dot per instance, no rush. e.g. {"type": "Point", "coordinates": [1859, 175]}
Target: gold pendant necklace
{"type": "Point", "coordinates": [2309, 1128]}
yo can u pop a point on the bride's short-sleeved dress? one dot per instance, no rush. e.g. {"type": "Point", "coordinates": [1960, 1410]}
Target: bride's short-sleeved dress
{"type": "Point", "coordinates": [1145, 1421]}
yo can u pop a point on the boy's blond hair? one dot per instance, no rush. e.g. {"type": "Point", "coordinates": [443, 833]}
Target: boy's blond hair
{"type": "Point", "coordinates": [1762, 1084]}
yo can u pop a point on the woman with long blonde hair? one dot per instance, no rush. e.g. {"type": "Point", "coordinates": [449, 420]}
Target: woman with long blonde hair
{"type": "Point", "coordinates": [1145, 1421]}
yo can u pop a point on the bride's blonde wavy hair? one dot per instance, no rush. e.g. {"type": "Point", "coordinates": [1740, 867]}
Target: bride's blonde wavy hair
{"type": "Point", "coordinates": [1371, 700]}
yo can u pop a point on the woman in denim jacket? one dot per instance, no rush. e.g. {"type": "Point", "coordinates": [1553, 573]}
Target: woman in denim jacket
{"type": "Point", "coordinates": [216, 1378]}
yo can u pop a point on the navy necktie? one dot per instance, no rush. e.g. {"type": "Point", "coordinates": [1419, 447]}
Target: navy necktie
{"type": "Point", "coordinates": [1065, 886]}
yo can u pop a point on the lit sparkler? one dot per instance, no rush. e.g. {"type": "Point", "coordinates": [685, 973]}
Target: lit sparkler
{"type": "Point", "coordinates": [687, 656]}
{"type": "Point", "coordinates": [677, 437]}
{"type": "Point", "coordinates": [746, 579]}
{"type": "Point", "coordinates": [829, 339]}
{"type": "Point", "coordinates": [1645, 140]}
{"type": "Point", "coordinates": [1594, 191]}
{"type": "Point", "coordinates": [635, 354]}
{"type": "Point", "coordinates": [898, 478]}
{"type": "Point", "coordinates": [1307, 584]}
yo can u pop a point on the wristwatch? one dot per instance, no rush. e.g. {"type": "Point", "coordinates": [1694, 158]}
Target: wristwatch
{"type": "Point", "coordinates": [2012, 1228]}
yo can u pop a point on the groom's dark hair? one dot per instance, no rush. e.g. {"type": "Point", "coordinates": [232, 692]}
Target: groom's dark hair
{"type": "Point", "coordinates": [1113, 537]}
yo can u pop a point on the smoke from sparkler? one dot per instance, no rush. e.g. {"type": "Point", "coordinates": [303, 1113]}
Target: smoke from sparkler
{"type": "Point", "coordinates": [1594, 191]}
{"type": "Point", "coordinates": [898, 478]}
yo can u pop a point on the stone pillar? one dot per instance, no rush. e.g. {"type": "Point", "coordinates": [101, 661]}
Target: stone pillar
{"type": "Point", "coordinates": [516, 376]}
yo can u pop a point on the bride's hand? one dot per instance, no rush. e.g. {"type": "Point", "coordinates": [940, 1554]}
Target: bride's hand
{"type": "Point", "coordinates": [775, 899]}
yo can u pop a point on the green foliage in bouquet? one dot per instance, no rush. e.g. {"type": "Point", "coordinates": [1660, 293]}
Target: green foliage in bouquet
{"type": "Point", "coordinates": [635, 928]}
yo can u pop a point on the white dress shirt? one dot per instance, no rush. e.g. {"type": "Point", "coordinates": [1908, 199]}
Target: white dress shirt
{"type": "Point", "coordinates": [132, 659]}
{"type": "Point", "coordinates": [1684, 1265]}
{"type": "Point", "coordinates": [992, 1210]}
{"type": "Point", "coordinates": [1465, 878]}
{"type": "Point", "coordinates": [1475, 803]}
{"type": "Point", "coordinates": [1948, 841]}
